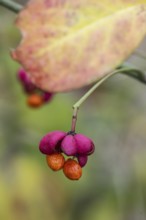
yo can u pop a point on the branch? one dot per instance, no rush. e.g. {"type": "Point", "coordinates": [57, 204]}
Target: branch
{"type": "Point", "coordinates": [13, 6]}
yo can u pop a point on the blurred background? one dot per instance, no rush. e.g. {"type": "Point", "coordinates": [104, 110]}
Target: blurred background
{"type": "Point", "coordinates": [113, 185]}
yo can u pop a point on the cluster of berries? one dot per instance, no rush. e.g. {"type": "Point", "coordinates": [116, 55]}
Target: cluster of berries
{"type": "Point", "coordinates": [76, 146]}
{"type": "Point", "coordinates": [36, 97]}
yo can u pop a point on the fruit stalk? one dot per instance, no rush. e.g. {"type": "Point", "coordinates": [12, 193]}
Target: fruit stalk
{"type": "Point", "coordinates": [77, 105]}
{"type": "Point", "coordinates": [74, 119]}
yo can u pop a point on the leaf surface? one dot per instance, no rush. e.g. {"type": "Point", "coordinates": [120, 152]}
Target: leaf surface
{"type": "Point", "coordinates": [67, 44]}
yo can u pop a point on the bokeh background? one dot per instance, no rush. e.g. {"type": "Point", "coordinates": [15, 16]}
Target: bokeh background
{"type": "Point", "coordinates": [113, 185]}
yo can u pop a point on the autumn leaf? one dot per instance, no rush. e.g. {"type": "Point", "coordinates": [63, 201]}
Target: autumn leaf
{"type": "Point", "coordinates": [67, 44]}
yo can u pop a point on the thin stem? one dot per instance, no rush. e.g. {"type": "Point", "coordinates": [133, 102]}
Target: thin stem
{"type": "Point", "coordinates": [13, 6]}
{"type": "Point", "coordinates": [74, 119]}
{"type": "Point", "coordinates": [84, 97]}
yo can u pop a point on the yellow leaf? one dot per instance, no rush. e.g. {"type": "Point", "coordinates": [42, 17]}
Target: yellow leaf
{"type": "Point", "coordinates": [67, 44]}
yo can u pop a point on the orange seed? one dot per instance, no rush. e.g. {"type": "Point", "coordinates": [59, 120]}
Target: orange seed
{"type": "Point", "coordinates": [55, 161]}
{"type": "Point", "coordinates": [34, 100]}
{"type": "Point", "coordinates": [72, 169]}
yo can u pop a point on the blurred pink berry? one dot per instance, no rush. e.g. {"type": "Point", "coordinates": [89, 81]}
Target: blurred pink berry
{"type": "Point", "coordinates": [22, 76]}
{"type": "Point", "coordinates": [28, 86]}
{"type": "Point", "coordinates": [47, 96]}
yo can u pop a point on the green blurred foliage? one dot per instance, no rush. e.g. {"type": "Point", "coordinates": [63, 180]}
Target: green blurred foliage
{"type": "Point", "coordinates": [113, 186]}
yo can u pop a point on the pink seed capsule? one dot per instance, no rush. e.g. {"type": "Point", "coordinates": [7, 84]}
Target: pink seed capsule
{"type": "Point", "coordinates": [82, 160]}
{"type": "Point", "coordinates": [22, 76]}
{"type": "Point", "coordinates": [47, 96]}
{"type": "Point", "coordinates": [68, 145]}
{"type": "Point", "coordinates": [28, 86]}
{"type": "Point", "coordinates": [85, 145]}
{"type": "Point", "coordinates": [50, 143]}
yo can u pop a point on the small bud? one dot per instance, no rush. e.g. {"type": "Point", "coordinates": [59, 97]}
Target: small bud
{"type": "Point", "coordinates": [34, 100]}
{"type": "Point", "coordinates": [55, 161]}
{"type": "Point", "coordinates": [72, 169]}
